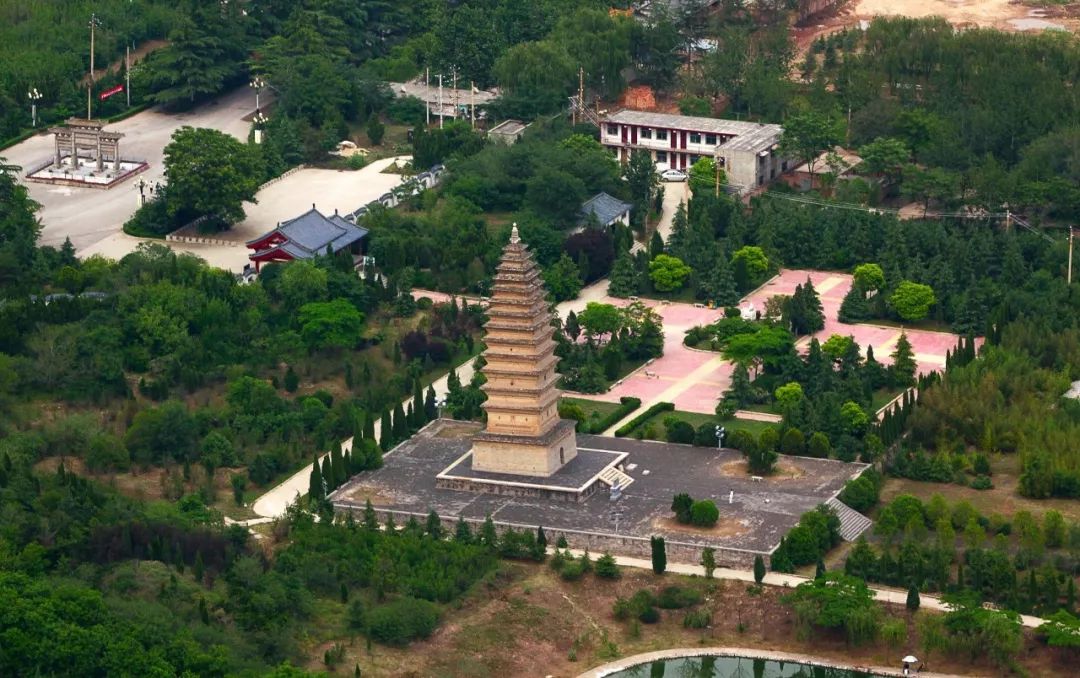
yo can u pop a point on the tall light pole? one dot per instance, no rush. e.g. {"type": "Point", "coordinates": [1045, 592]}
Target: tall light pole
{"type": "Point", "coordinates": [90, 84]}
{"type": "Point", "coordinates": [259, 120]}
{"type": "Point", "coordinates": [34, 96]}
{"type": "Point", "coordinates": [1069, 279]}
{"type": "Point", "coordinates": [720, 433]}
{"type": "Point", "coordinates": [257, 84]}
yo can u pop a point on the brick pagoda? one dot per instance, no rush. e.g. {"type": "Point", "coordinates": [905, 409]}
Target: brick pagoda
{"type": "Point", "coordinates": [524, 435]}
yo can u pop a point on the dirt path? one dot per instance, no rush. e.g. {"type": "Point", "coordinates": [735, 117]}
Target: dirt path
{"type": "Point", "coordinates": [137, 55]}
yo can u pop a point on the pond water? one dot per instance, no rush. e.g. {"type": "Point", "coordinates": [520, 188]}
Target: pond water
{"type": "Point", "coordinates": [733, 667]}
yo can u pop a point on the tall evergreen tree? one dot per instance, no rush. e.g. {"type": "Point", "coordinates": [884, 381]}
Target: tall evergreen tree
{"type": "Point", "coordinates": [371, 520]}
{"type": "Point", "coordinates": [656, 245]}
{"type": "Point", "coordinates": [386, 431]}
{"type": "Point", "coordinates": [419, 413]}
{"type": "Point", "coordinates": [328, 474]}
{"type": "Point", "coordinates": [338, 465]}
{"type": "Point", "coordinates": [659, 554]}
{"type": "Point", "coordinates": [431, 409]}
{"type": "Point", "coordinates": [462, 533]}
{"type": "Point", "coordinates": [401, 424]}
{"type": "Point", "coordinates": [903, 368]}
{"type": "Point", "coordinates": [624, 280]}
{"type": "Point", "coordinates": [719, 285]}
{"type": "Point", "coordinates": [315, 482]}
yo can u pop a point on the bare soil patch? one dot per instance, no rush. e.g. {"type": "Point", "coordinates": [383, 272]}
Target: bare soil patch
{"type": "Point", "coordinates": [527, 622]}
{"type": "Point", "coordinates": [457, 430]}
{"type": "Point", "coordinates": [722, 528]}
{"type": "Point", "coordinates": [784, 470]}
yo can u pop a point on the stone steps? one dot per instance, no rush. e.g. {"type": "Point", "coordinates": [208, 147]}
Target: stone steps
{"type": "Point", "coordinates": [612, 476]}
{"type": "Point", "coordinates": [852, 523]}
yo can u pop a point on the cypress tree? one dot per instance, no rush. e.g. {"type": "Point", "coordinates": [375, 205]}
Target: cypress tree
{"type": "Point", "coordinates": [338, 465]}
{"type": "Point", "coordinates": [541, 539]}
{"type": "Point", "coordinates": [401, 426]}
{"type": "Point", "coordinates": [431, 410]}
{"type": "Point", "coordinates": [359, 424]}
{"type": "Point", "coordinates": [386, 431]}
{"type": "Point", "coordinates": [199, 569]}
{"type": "Point", "coordinates": [410, 418]}
{"type": "Point", "coordinates": [369, 426]}
{"type": "Point", "coordinates": [819, 569]}
{"type": "Point", "coordinates": [391, 527]}
{"type": "Point", "coordinates": [328, 474]}
{"type": "Point", "coordinates": [759, 569]}
{"type": "Point", "coordinates": [418, 405]}
{"type": "Point", "coordinates": [913, 600]}
{"type": "Point", "coordinates": [659, 554]}
{"type": "Point", "coordinates": [315, 483]}
{"type": "Point", "coordinates": [488, 536]}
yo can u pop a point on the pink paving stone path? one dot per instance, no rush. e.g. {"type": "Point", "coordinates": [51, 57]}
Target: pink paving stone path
{"type": "Point", "coordinates": [693, 380]}
{"type": "Point", "coordinates": [929, 347]}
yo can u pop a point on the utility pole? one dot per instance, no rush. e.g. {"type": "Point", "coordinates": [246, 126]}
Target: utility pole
{"type": "Point", "coordinates": [1069, 278]}
{"type": "Point", "coordinates": [127, 73]}
{"type": "Point", "coordinates": [1008, 220]}
{"type": "Point", "coordinates": [453, 74]}
{"type": "Point", "coordinates": [716, 173]}
{"type": "Point", "coordinates": [580, 92]}
{"type": "Point", "coordinates": [90, 84]}
{"type": "Point", "coordinates": [440, 102]}
{"type": "Point", "coordinates": [427, 95]}
{"type": "Point", "coordinates": [472, 103]}
{"type": "Point", "coordinates": [34, 95]}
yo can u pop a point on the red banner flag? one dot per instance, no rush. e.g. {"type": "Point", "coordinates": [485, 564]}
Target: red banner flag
{"type": "Point", "coordinates": [109, 92]}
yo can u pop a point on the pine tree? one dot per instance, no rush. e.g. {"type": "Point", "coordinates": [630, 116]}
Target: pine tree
{"type": "Point", "coordinates": [337, 465]}
{"type": "Point", "coordinates": [903, 368]}
{"type": "Point", "coordinates": [488, 536]}
{"type": "Point", "coordinates": [819, 569]}
{"type": "Point", "coordinates": [391, 526]}
{"type": "Point", "coordinates": [315, 483]}
{"type": "Point", "coordinates": [292, 382]}
{"type": "Point", "coordinates": [719, 284]}
{"type": "Point", "coordinates": [199, 569]}
{"type": "Point", "coordinates": [462, 533]}
{"type": "Point", "coordinates": [386, 431]}
{"type": "Point", "coordinates": [659, 554]}
{"type": "Point", "coordinates": [371, 520]}
{"type": "Point", "coordinates": [679, 226]}
{"type": "Point", "coordinates": [624, 279]}
{"type": "Point", "coordinates": [433, 527]}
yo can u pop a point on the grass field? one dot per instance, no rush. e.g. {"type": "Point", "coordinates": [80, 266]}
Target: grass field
{"type": "Point", "coordinates": [696, 419]}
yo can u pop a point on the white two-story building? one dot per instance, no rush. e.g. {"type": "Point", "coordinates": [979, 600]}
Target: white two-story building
{"type": "Point", "coordinates": [748, 152]}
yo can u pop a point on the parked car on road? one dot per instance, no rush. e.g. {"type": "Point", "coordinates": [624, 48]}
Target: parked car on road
{"type": "Point", "coordinates": [672, 175]}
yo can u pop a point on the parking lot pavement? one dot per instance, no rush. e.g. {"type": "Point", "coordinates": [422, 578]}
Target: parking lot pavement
{"type": "Point", "coordinates": [89, 216]}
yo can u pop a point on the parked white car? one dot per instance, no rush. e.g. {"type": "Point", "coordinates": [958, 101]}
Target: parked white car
{"type": "Point", "coordinates": [672, 175]}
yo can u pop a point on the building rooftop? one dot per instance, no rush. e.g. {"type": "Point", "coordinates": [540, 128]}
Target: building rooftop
{"type": "Point", "coordinates": [1074, 392]}
{"type": "Point", "coordinates": [310, 234]}
{"type": "Point", "coordinates": [848, 161]}
{"type": "Point", "coordinates": [749, 136]}
{"type": "Point", "coordinates": [508, 127]}
{"type": "Point", "coordinates": [604, 207]}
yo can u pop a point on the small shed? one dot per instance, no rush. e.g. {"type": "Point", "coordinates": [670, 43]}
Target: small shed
{"type": "Point", "coordinates": [605, 210]}
{"type": "Point", "coordinates": [508, 131]}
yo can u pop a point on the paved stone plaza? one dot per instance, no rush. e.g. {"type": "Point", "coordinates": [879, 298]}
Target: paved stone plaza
{"type": "Point", "coordinates": [760, 513]}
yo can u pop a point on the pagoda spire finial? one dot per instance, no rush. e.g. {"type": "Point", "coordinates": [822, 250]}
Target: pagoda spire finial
{"type": "Point", "coordinates": [514, 237]}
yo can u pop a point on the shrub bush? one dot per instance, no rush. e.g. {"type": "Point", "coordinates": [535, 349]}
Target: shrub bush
{"type": "Point", "coordinates": [696, 619]}
{"type": "Point", "coordinates": [649, 615]}
{"type": "Point", "coordinates": [627, 404]}
{"type": "Point", "coordinates": [682, 505]}
{"type": "Point", "coordinates": [629, 426]}
{"type": "Point", "coordinates": [606, 568]}
{"type": "Point", "coordinates": [680, 432]}
{"type": "Point", "coordinates": [678, 597]}
{"type": "Point", "coordinates": [403, 620]}
{"type": "Point", "coordinates": [704, 513]}
{"type": "Point", "coordinates": [982, 483]}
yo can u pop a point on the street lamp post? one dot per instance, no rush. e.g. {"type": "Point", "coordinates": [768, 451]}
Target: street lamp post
{"type": "Point", "coordinates": [257, 84]}
{"type": "Point", "coordinates": [34, 95]}
{"type": "Point", "coordinates": [259, 119]}
{"type": "Point", "coordinates": [440, 403]}
{"type": "Point", "coordinates": [720, 433]}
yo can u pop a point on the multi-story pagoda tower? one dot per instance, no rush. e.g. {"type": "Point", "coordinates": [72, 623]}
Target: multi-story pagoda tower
{"type": "Point", "coordinates": [524, 435]}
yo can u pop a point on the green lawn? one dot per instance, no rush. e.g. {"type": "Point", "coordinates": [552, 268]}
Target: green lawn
{"type": "Point", "coordinates": [593, 408]}
{"type": "Point", "coordinates": [696, 419]}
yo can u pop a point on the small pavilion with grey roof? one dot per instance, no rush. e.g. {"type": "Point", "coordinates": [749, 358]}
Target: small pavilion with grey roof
{"type": "Point", "coordinates": [604, 210]}
{"type": "Point", "coordinates": [304, 237]}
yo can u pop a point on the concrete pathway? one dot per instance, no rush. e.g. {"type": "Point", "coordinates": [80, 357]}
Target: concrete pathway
{"type": "Point", "coordinates": [746, 653]}
{"type": "Point", "coordinates": [885, 595]}
{"type": "Point", "coordinates": [674, 193]}
{"type": "Point", "coordinates": [88, 215]}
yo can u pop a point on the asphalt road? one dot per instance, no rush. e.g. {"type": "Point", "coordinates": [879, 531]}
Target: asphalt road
{"type": "Point", "coordinates": [87, 215]}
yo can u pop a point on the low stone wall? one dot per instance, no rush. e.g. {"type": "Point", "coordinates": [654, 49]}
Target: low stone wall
{"type": "Point", "coordinates": [595, 542]}
{"type": "Point", "coordinates": [509, 490]}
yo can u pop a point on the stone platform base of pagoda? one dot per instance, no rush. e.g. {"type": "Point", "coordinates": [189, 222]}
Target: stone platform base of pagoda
{"type": "Point", "coordinates": [576, 481]}
{"type": "Point", "coordinates": [85, 172]}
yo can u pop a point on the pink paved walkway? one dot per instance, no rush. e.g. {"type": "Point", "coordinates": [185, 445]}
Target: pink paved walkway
{"type": "Point", "coordinates": [929, 347]}
{"type": "Point", "coordinates": [693, 380]}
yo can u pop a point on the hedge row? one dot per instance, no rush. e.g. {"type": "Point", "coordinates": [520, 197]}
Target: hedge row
{"type": "Point", "coordinates": [629, 426]}
{"type": "Point", "coordinates": [627, 405]}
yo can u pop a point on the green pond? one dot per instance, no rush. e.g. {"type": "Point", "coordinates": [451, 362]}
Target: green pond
{"type": "Point", "coordinates": [733, 667]}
